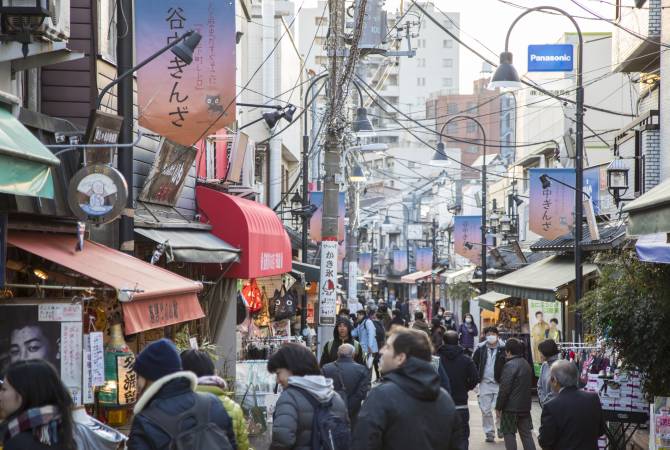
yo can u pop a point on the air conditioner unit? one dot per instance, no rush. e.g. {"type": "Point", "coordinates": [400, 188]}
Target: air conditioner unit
{"type": "Point", "coordinates": [55, 27]}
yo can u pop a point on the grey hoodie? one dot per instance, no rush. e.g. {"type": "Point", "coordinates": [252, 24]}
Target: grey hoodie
{"type": "Point", "coordinates": [318, 385]}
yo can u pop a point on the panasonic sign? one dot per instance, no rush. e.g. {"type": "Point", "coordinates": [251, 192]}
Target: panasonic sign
{"type": "Point", "coordinates": [550, 58]}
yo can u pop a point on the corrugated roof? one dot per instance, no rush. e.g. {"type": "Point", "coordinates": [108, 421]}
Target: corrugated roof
{"type": "Point", "coordinates": [610, 237]}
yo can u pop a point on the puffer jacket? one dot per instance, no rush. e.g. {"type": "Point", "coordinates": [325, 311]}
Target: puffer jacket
{"type": "Point", "coordinates": [173, 394]}
{"type": "Point", "coordinates": [515, 386]}
{"type": "Point", "coordinates": [408, 410]}
{"type": "Point", "coordinates": [292, 420]}
{"type": "Point", "coordinates": [215, 385]}
{"type": "Point", "coordinates": [461, 371]}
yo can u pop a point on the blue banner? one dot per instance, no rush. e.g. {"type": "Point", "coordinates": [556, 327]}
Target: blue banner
{"type": "Point", "coordinates": [550, 58]}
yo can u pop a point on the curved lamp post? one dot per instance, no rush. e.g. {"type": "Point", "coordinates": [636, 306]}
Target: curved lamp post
{"type": "Point", "coordinates": [507, 76]}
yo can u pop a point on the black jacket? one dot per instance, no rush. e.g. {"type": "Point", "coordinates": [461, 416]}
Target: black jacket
{"type": "Point", "coordinates": [356, 379]}
{"type": "Point", "coordinates": [515, 386]}
{"type": "Point", "coordinates": [27, 441]}
{"type": "Point", "coordinates": [461, 370]}
{"type": "Point", "coordinates": [408, 410]}
{"type": "Point", "coordinates": [329, 353]}
{"type": "Point", "coordinates": [172, 394]}
{"type": "Point", "coordinates": [572, 421]}
{"type": "Point", "coordinates": [481, 355]}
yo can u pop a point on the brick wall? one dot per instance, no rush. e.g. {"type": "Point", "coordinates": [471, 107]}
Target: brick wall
{"type": "Point", "coordinates": [654, 17]}
{"type": "Point", "coordinates": [651, 148]}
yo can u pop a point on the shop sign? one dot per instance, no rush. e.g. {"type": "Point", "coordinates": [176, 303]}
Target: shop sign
{"type": "Point", "coordinates": [545, 322]}
{"type": "Point", "coordinates": [550, 58]}
{"type": "Point", "coordinates": [328, 284]}
{"type": "Point", "coordinates": [97, 194]}
{"type": "Point", "coordinates": [103, 128]}
{"type": "Point", "coordinates": [424, 259]}
{"type": "Point", "coordinates": [168, 174]}
{"type": "Point", "coordinates": [353, 281]}
{"type": "Point", "coordinates": [552, 209]}
{"type": "Point", "coordinates": [468, 229]}
{"type": "Point", "coordinates": [185, 102]}
{"type": "Point", "coordinates": [272, 261]}
{"type": "Point", "coordinates": [399, 261]}
{"type": "Point", "coordinates": [316, 199]}
{"type": "Point", "coordinates": [365, 262]}
{"type": "Point", "coordinates": [148, 314]}
{"type": "Point", "coordinates": [127, 379]}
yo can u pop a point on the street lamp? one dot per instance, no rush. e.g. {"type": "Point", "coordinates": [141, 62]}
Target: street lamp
{"type": "Point", "coordinates": [617, 179]}
{"type": "Point", "coordinates": [507, 76]}
{"type": "Point", "coordinates": [440, 157]}
{"type": "Point", "coordinates": [357, 175]}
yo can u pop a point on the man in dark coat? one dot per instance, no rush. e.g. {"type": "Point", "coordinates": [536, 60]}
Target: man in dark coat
{"type": "Point", "coordinates": [167, 391]}
{"type": "Point", "coordinates": [341, 335]}
{"type": "Point", "coordinates": [514, 397]}
{"type": "Point", "coordinates": [463, 378]}
{"type": "Point", "coordinates": [574, 419]}
{"type": "Point", "coordinates": [349, 378]}
{"type": "Point", "coordinates": [408, 409]}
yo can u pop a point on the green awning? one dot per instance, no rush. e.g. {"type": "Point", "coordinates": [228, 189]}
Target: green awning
{"type": "Point", "coordinates": [193, 246]}
{"type": "Point", "coordinates": [488, 301]}
{"type": "Point", "coordinates": [650, 212]}
{"type": "Point", "coordinates": [26, 163]}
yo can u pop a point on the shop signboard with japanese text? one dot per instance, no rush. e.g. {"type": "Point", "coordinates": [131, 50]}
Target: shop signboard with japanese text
{"type": "Point", "coordinates": [424, 258]}
{"type": "Point", "coordinates": [468, 230]}
{"type": "Point", "coordinates": [316, 199]}
{"type": "Point", "coordinates": [180, 101]}
{"type": "Point", "coordinates": [545, 322]}
{"type": "Point", "coordinates": [328, 284]}
{"type": "Point", "coordinates": [552, 208]}
{"type": "Point", "coordinates": [595, 185]}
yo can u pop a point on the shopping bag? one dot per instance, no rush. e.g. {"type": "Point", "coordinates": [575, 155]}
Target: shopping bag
{"type": "Point", "coordinates": [255, 415]}
{"type": "Point", "coordinates": [285, 304]}
{"type": "Point", "coordinates": [252, 294]}
{"type": "Point", "coordinates": [262, 317]}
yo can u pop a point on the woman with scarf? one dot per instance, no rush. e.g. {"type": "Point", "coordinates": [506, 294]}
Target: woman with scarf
{"type": "Point", "coordinates": [37, 407]}
{"type": "Point", "coordinates": [468, 334]}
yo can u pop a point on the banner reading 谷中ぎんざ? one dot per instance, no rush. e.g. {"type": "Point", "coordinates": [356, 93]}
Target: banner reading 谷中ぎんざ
{"type": "Point", "coordinates": [468, 237]}
{"type": "Point", "coordinates": [552, 205]}
{"type": "Point", "coordinates": [183, 101]}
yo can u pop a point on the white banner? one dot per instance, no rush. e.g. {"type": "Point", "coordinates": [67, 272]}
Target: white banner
{"type": "Point", "coordinates": [353, 280]}
{"type": "Point", "coordinates": [328, 285]}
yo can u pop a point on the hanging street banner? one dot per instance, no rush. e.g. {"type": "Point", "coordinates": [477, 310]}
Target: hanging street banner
{"type": "Point", "coordinates": [316, 199]}
{"type": "Point", "coordinates": [352, 291]}
{"type": "Point", "coordinates": [365, 263]}
{"type": "Point", "coordinates": [328, 285]}
{"type": "Point", "coordinates": [595, 185]}
{"type": "Point", "coordinates": [424, 259]}
{"type": "Point", "coordinates": [183, 101]}
{"type": "Point", "coordinates": [552, 210]}
{"type": "Point", "coordinates": [468, 229]}
{"type": "Point", "coordinates": [550, 58]}
{"type": "Point", "coordinates": [399, 261]}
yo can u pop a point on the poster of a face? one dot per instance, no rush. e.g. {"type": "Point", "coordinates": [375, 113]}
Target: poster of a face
{"type": "Point", "coordinates": [467, 230]}
{"type": "Point", "coordinates": [545, 323]}
{"type": "Point", "coordinates": [552, 208]}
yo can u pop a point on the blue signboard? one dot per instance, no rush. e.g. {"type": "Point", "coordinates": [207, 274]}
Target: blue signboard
{"type": "Point", "coordinates": [550, 58]}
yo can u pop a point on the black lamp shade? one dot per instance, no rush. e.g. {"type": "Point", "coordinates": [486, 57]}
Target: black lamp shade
{"type": "Point", "coordinates": [517, 200]}
{"type": "Point", "coordinates": [184, 50]}
{"type": "Point", "coordinates": [505, 75]}
{"type": "Point", "coordinates": [387, 220]}
{"type": "Point", "coordinates": [271, 118]}
{"type": "Point", "coordinates": [468, 245]}
{"type": "Point", "coordinates": [362, 124]}
{"type": "Point", "coordinates": [440, 156]}
{"type": "Point", "coordinates": [546, 182]}
{"type": "Point", "coordinates": [25, 7]}
{"type": "Point", "coordinates": [357, 174]}
{"type": "Point", "coordinates": [296, 200]}
{"type": "Point", "coordinates": [289, 111]}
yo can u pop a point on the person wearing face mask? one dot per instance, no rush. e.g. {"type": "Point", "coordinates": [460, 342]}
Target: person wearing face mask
{"type": "Point", "coordinates": [489, 359]}
{"type": "Point", "coordinates": [574, 419]}
{"type": "Point", "coordinates": [450, 321]}
{"type": "Point", "coordinates": [468, 332]}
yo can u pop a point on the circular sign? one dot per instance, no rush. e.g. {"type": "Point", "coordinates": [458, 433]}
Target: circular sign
{"type": "Point", "coordinates": [97, 194]}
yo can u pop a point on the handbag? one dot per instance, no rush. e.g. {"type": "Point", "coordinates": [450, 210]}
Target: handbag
{"type": "Point", "coordinates": [262, 318]}
{"type": "Point", "coordinates": [242, 309]}
{"type": "Point", "coordinates": [253, 296]}
{"type": "Point", "coordinates": [255, 415]}
{"type": "Point", "coordinates": [285, 304]}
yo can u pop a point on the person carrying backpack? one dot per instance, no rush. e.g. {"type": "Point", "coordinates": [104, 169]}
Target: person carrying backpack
{"type": "Point", "coordinates": [309, 414]}
{"type": "Point", "coordinates": [169, 413]}
{"type": "Point", "coordinates": [368, 335]}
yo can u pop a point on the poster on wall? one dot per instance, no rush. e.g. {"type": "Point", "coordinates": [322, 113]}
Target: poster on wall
{"type": "Point", "coordinates": [399, 261]}
{"type": "Point", "coordinates": [552, 207]}
{"type": "Point", "coordinates": [316, 199]}
{"type": "Point", "coordinates": [49, 331]}
{"type": "Point", "coordinates": [424, 259]}
{"type": "Point", "coordinates": [183, 101]}
{"type": "Point", "coordinates": [545, 322]}
{"type": "Point", "coordinates": [468, 230]}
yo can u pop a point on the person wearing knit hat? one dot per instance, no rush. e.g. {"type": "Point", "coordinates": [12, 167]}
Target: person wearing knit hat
{"type": "Point", "coordinates": [341, 335]}
{"type": "Point", "coordinates": [165, 392]}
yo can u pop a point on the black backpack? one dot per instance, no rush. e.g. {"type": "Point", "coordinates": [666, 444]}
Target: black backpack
{"type": "Point", "coordinates": [205, 435]}
{"type": "Point", "coordinates": [329, 432]}
{"type": "Point", "coordinates": [380, 334]}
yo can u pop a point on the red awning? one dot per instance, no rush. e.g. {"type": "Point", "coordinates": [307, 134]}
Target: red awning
{"type": "Point", "coordinates": [162, 297]}
{"type": "Point", "coordinates": [250, 226]}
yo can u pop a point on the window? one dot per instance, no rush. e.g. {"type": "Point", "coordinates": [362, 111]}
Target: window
{"type": "Point", "coordinates": [472, 108]}
{"type": "Point", "coordinates": [452, 108]}
{"type": "Point", "coordinates": [473, 149]}
{"type": "Point", "coordinates": [447, 62]}
{"type": "Point", "coordinates": [447, 82]}
{"type": "Point", "coordinates": [452, 128]}
{"type": "Point", "coordinates": [471, 127]}
{"type": "Point", "coordinates": [421, 43]}
{"type": "Point", "coordinates": [421, 62]}
{"type": "Point", "coordinates": [107, 30]}
{"type": "Point", "coordinates": [447, 43]}
{"type": "Point", "coordinates": [421, 81]}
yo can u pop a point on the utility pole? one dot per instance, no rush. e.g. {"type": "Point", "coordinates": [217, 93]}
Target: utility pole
{"type": "Point", "coordinates": [124, 59]}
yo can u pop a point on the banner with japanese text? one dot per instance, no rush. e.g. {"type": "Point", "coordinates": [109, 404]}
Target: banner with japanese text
{"type": "Point", "coordinates": [424, 259]}
{"type": "Point", "coordinates": [595, 186]}
{"type": "Point", "coordinates": [183, 101]}
{"type": "Point", "coordinates": [365, 263]}
{"type": "Point", "coordinates": [399, 261]}
{"type": "Point", "coordinates": [468, 230]}
{"type": "Point", "coordinates": [328, 284]}
{"type": "Point", "coordinates": [316, 199]}
{"type": "Point", "coordinates": [552, 207]}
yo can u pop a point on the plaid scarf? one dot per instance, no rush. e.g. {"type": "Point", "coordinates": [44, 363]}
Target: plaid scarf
{"type": "Point", "coordinates": [42, 421]}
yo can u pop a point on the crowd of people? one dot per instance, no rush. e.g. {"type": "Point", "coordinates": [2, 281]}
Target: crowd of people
{"type": "Point", "coordinates": [381, 383]}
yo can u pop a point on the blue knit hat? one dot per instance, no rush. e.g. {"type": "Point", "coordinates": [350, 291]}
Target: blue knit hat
{"type": "Point", "coordinates": [157, 360]}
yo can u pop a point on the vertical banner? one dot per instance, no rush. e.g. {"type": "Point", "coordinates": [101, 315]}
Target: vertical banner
{"type": "Point", "coordinates": [424, 259]}
{"type": "Point", "coordinates": [3, 248]}
{"type": "Point", "coordinates": [399, 261]}
{"type": "Point", "coordinates": [341, 255]}
{"type": "Point", "coordinates": [545, 321]}
{"type": "Point", "coordinates": [183, 101]}
{"type": "Point", "coordinates": [316, 199]}
{"type": "Point", "coordinates": [328, 284]}
{"type": "Point", "coordinates": [468, 229]}
{"type": "Point", "coordinates": [552, 209]}
{"type": "Point", "coordinates": [352, 291]}
{"type": "Point", "coordinates": [365, 263]}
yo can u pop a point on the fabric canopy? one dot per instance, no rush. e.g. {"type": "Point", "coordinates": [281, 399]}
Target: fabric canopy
{"type": "Point", "coordinates": [250, 226]}
{"type": "Point", "coordinates": [650, 212]}
{"type": "Point", "coordinates": [541, 280]}
{"type": "Point", "coordinates": [653, 248]}
{"type": "Point", "coordinates": [489, 299]}
{"type": "Point", "coordinates": [416, 276]}
{"type": "Point", "coordinates": [311, 272]}
{"type": "Point", "coordinates": [457, 276]}
{"type": "Point", "coordinates": [26, 163]}
{"type": "Point", "coordinates": [158, 297]}
{"type": "Point", "coordinates": [193, 246]}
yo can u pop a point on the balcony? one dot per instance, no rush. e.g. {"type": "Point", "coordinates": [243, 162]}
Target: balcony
{"type": "Point", "coordinates": [631, 53]}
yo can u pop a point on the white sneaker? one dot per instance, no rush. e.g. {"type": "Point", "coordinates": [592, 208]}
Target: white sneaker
{"type": "Point", "coordinates": [490, 438]}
